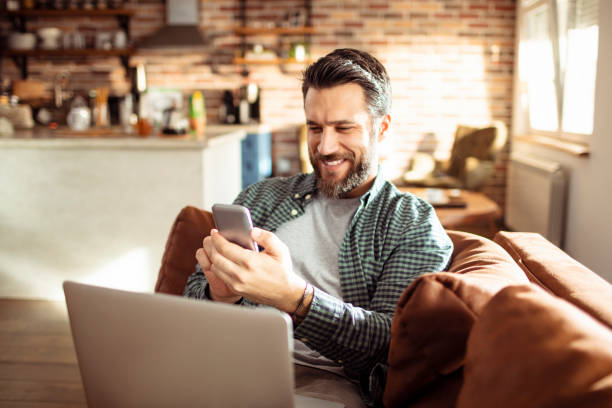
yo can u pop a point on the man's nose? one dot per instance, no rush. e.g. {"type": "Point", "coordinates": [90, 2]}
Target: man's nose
{"type": "Point", "coordinates": [328, 143]}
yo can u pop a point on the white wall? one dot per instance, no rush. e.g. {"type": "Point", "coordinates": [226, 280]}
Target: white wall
{"type": "Point", "coordinates": [99, 210]}
{"type": "Point", "coordinates": [588, 233]}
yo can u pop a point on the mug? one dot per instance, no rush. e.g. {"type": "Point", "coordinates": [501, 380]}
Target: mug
{"type": "Point", "coordinates": [120, 39]}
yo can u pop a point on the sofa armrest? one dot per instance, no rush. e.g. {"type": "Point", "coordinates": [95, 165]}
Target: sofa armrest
{"type": "Point", "coordinates": [532, 349]}
{"type": "Point", "coordinates": [178, 262]}
{"type": "Point", "coordinates": [434, 317]}
{"type": "Point", "coordinates": [557, 272]}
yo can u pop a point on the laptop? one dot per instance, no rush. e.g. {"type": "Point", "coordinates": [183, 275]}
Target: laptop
{"type": "Point", "coordinates": [156, 350]}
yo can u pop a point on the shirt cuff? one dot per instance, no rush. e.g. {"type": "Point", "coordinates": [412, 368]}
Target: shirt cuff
{"type": "Point", "coordinates": [321, 321]}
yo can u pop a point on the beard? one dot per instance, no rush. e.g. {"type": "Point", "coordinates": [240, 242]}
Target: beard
{"type": "Point", "coordinates": [357, 174]}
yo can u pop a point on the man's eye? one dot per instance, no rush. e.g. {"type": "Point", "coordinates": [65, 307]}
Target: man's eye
{"type": "Point", "coordinates": [314, 129]}
{"type": "Point", "coordinates": [343, 129]}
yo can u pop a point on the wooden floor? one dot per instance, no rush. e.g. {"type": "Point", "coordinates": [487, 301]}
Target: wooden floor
{"type": "Point", "coordinates": [38, 366]}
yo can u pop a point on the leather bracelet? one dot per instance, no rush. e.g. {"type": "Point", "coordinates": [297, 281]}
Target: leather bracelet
{"type": "Point", "coordinates": [307, 290]}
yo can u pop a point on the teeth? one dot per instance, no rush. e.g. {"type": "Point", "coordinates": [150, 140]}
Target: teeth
{"type": "Point", "coordinates": [333, 163]}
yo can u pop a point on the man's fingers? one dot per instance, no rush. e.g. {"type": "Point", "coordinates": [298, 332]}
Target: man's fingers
{"type": "Point", "coordinates": [228, 272]}
{"type": "Point", "coordinates": [202, 258]}
{"type": "Point", "coordinates": [228, 249]}
{"type": "Point", "coordinates": [273, 245]}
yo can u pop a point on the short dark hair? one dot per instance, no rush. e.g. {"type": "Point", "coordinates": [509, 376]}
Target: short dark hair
{"type": "Point", "coordinates": [348, 65]}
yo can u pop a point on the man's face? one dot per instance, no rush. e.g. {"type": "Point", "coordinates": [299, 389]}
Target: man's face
{"type": "Point", "coordinates": [342, 140]}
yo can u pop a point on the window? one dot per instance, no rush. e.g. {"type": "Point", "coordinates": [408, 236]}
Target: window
{"type": "Point", "coordinates": [558, 42]}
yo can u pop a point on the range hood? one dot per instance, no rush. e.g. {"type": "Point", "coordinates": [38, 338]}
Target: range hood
{"type": "Point", "coordinates": [181, 29]}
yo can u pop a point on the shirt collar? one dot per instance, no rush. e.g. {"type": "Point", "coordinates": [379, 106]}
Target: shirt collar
{"type": "Point", "coordinates": [379, 182]}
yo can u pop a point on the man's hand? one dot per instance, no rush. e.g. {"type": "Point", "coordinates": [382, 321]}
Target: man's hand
{"type": "Point", "coordinates": [218, 290]}
{"type": "Point", "coordinates": [264, 277]}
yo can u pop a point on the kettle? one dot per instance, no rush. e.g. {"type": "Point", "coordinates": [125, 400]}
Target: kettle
{"type": "Point", "coordinates": [79, 117]}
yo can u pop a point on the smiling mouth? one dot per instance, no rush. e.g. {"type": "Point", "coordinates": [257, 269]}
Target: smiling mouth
{"type": "Point", "coordinates": [332, 163]}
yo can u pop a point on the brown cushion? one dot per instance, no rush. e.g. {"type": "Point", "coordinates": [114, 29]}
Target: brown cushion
{"type": "Point", "coordinates": [178, 261]}
{"type": "Point", "coordinates": [435, 314]}
{"type": "Point", "coordinates": [557, 272]}
{"type": "Point", "coordinates": [440, 393]}
{"type": "Point", "coordinates": [532, 349]}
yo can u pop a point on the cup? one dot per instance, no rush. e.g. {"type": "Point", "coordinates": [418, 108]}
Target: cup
{"type": "Point", "coordinates": [67, 41]}
{"type": "Point", "coordinates": [120, 39]}
{"type": "Point", "coordinates": [78, 40]}
{"type": "Point", "coordinates": [50, 37]}
{"type": "Point", "coordinates": [104, 41]}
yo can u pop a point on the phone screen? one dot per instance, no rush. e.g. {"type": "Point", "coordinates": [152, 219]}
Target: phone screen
{"type": "Point", "coordinates": [234, 224]}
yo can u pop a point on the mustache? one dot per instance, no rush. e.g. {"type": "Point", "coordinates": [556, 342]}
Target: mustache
{"type": "Point", "coordinates": [333, 157]}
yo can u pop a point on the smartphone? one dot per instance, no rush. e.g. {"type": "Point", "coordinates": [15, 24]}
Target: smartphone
{"type": "Point", "coordinates": [234, 224]}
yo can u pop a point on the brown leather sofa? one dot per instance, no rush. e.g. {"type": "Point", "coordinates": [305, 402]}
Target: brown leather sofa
{"type": "Point", "coordinates": [512, 323]}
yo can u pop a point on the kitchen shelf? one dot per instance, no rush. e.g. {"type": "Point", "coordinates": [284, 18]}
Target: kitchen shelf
{"type": "Point", "coordinates": [85, 52]}
{"type": "Point", "coordinates": [274, 30]}
{"type": "Point", "coordinates": [271, 61]}
{"type": "Point", "coordinates": [68, 13]}
{"type": "Point", "coordinates": [19, 19]}
{"type": "Point", "coordinates": [244, 30]}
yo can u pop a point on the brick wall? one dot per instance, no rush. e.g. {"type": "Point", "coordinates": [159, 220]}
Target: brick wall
{"type": "Point", "coordinates": [450, 61]}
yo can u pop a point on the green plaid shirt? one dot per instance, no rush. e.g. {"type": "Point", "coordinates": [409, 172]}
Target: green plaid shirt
{"type": "Point", "coordinates": [392, 239]}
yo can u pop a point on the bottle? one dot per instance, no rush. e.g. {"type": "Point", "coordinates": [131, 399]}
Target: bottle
{"type": "Point", "coordinates": [227, 111]}
{"type": "Point", "coordinates": [244, 114]}
{"type": "Point", "coordinates": [232, 111]}
{"type": "Point", "coordinates": [253, 99]}
{"type": "Point", "coordinates": [197, 115]}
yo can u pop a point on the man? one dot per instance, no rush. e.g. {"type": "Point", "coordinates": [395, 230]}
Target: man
{"type": "Point", "coordinates": [340, 245]}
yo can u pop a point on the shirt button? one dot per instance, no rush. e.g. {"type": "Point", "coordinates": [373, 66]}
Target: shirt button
{"type": "Point", "coordinates": [294, 212]}
{"type": "Point", "coordinates": [304, 340]}
{"type": "Point", "coordinates": [339, 361]}
{"type": "Point", "coordinates": [307, 196]}
{"type": "Point", "coordinates": [296, 195]}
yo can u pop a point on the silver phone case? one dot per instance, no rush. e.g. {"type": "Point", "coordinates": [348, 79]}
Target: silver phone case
{"type": "Point", "coordinates": [234, 224]}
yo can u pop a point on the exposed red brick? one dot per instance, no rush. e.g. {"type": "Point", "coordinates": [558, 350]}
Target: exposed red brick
{"type": "Point", "coordinates": [439, 62]}
{"type": "Point", "coordinates": [418, 15]}
{"type": "Point", "coordinates": [479, 7]}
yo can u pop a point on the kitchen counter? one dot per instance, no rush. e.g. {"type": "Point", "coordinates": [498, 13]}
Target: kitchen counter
{"type": "Point", "coordinates": [41, 137]}
{"type": "Point", "coordinates": [99, 209]}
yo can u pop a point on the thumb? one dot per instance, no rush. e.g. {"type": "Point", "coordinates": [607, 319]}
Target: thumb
{"type": "Point", "coordinates": [272, 244]}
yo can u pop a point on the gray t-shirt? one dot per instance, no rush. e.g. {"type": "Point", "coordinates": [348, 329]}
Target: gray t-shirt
{"type": "Point", "coordinates": [314, 241]}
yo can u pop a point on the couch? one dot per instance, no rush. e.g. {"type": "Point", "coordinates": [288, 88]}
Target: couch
{"type": "Point", "coordinates": [513, 322]}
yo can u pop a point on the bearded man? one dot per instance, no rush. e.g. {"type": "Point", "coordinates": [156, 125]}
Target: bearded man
{"type": "Point", "coordinates": [340, 245]}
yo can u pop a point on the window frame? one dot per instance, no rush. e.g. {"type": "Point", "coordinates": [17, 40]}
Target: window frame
{"type": "Point", "coordinates": [525, 7]}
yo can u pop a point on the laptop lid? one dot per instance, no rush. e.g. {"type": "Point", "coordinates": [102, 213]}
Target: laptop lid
{"type": "Point", "coordinates": [155, 350]}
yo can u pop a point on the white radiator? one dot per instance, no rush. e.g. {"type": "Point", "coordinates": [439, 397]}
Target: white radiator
{"type": "Point", "coordinates": [535, 197]}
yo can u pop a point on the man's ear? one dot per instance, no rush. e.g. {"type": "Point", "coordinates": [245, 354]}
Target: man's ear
{"type": "Point", "coordinates": [385, 124]}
